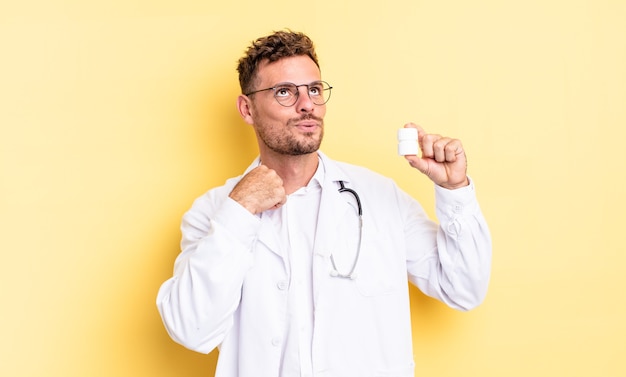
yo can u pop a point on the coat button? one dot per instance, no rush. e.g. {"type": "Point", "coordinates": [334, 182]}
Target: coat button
{"type": "Point", "coordinates": [276, 342]}
{"type": "Point", "coordinates": [282, 285]}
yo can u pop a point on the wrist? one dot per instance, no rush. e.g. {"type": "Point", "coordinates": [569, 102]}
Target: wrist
{"type": "Point", "coordinates": [455, 186]}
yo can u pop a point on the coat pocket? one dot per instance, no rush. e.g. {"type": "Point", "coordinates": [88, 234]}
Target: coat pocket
{"type": "Point", "coordinates": [380, 269]}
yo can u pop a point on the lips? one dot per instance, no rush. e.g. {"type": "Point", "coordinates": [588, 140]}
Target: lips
{"type": "Point", "coordinates": [308, 123]}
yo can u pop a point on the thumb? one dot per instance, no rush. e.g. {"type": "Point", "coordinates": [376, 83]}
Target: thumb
{"type": "Point", "coordinates": [418, 163]}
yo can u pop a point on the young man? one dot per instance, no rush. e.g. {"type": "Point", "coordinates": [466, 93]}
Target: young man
{"type": "Point", "coordinates": [299, 266]}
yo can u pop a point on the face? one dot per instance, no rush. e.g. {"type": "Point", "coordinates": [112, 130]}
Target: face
{"type": "Point", "coordinates": [294, 130]}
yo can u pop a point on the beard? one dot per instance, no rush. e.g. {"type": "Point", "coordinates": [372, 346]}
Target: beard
{"type": "Point", "coordinates": [288, 143]}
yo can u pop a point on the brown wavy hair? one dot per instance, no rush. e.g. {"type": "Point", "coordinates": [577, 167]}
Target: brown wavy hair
{"type": "Point", "coordinates": [280, 44]}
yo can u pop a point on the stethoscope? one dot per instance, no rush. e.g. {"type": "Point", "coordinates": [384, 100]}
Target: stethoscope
{"type": "Point", "coordinates": [335, 271]}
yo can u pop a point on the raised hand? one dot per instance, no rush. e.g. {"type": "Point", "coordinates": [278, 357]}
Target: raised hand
{"type": "Point", "coordinates": [259, 190]}
{"type": "Point", "coordinates": [443, 159]}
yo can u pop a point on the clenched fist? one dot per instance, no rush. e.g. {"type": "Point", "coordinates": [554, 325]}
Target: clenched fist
{"type": "Point", "coordinates": [259, 190]}
{"type": "Point", "coordinates": [443, 159]}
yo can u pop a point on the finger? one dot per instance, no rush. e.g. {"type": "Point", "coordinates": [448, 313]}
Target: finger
{"type": "Point", "coordinates": [453, 149]}
{"type": "Point", "coordinates": [412, 125]}
{"type": "Point", "coordinates": [439, 149]}
{"type": "Point", "coordinates": [420, 131]}
{"type": "Point", "coordinates": [280, 203]}
{"type": "Point", "coordinates": [261, 168]}
{"type": "Point", "coordinates": [427, 144]}
{"type": "Point", "coordinates": [419, 164]}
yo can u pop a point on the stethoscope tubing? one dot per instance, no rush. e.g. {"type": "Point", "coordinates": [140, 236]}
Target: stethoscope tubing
{"type": "Point", "coordinates": [350, 275]}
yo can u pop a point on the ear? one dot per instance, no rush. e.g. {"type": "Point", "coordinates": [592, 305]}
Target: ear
{"type": "Point", "coordinates": [244, 105]}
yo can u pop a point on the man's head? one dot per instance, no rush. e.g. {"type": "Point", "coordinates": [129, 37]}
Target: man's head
{"type": "Point", "coordinates": [283, 96]}
{"type": "Point", "coordinates": [281, 44]}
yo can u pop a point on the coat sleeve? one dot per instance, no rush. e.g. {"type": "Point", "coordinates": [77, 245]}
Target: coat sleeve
{"type": "Point", "coordinates": [197, 304]}
{"type": "Point", "coordinates": [453, 262]}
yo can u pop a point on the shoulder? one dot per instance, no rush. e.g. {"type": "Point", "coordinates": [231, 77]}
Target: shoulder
{"type": "Point", "coordinates": [357, 175]}
{"type": "Point", "coordinates": [215, 196]}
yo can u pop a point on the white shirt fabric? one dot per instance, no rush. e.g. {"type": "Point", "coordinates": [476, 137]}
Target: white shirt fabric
{"type": "Point", "coordinates": [235, 283]}
{"type": "Point", "coordinates": [296, 223]}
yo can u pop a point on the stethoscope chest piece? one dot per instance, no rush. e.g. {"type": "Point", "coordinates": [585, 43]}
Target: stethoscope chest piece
{"type": "Point", "coordinates": [334, 273]}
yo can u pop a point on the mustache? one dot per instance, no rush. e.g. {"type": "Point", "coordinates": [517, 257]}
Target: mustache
{"type": "Point", "coordinates": [306, 117]}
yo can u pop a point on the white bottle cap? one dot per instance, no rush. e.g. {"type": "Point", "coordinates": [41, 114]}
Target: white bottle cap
{"type": "Point", "coordinates": [407, 134]}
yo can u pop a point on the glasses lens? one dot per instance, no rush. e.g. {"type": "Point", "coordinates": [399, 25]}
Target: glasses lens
{"type": "Point", "coordinates": [286, 94]}
{"type": "Point", "coordinates": [319, 92]}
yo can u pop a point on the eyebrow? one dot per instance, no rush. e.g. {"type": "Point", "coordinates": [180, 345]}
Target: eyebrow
{"type": "Point", "coordinates": [291, 83]}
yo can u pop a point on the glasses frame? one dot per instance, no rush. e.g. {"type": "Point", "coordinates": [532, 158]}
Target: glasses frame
{"type": "Point", "coordinates": [308, 87]}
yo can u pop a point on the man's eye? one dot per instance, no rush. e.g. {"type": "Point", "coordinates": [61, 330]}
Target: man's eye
{"type": "Point", "coordinates": [315, 90]}
{"type": "Point", "coordinates": [284, 92]}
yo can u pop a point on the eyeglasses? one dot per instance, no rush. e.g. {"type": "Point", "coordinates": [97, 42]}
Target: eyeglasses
{"type": "Point", "coordinates": [287, 93]}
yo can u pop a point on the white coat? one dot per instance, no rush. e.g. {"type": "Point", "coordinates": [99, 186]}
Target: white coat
{"type": "Point", "coordinates": [229, 288]}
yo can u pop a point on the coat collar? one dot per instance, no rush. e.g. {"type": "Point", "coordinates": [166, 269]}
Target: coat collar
{"type": "Point", "coordinates": [333, 208]}
{"type": "Point", "coordinates": [333, 172]}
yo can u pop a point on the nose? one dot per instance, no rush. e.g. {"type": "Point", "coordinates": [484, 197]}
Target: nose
{"type": "Point", "coordinates": [304, 104]}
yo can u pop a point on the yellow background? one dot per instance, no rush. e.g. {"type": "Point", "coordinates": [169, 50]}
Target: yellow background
{"type": "Point", "coordinates": [116, 114]}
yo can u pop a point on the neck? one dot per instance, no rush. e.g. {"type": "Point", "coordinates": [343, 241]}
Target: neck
{"type": "Point", "coordinates": [295, 171]}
